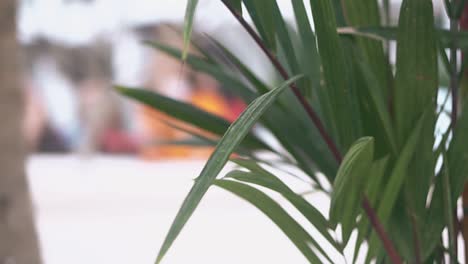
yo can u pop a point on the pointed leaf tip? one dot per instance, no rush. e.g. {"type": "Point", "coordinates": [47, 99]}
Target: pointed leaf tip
{"type": "Point", "coordinates": [231, 139]}
{"type": "Point", "coordinates": [188, 25]}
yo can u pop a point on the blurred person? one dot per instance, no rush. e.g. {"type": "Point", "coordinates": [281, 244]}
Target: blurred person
{"type": "Point", "coordinates": [89, 68]}
{"type": "Point", "coordinates": [38, 133]}
{"type": "Point", "coordinates": [34, 116]}
{"type": "Point", "coordinates": [74, 85]}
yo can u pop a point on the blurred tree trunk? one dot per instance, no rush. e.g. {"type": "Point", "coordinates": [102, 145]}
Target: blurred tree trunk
{"type": "Point", "coordinates": [18, 239]}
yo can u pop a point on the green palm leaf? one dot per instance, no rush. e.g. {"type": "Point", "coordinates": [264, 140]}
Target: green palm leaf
{"type": "Point", "coordinates": [231, 139]}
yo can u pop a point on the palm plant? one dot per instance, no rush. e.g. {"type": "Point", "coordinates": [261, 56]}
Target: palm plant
{"type": "Point", "coordinates": [346, 120]}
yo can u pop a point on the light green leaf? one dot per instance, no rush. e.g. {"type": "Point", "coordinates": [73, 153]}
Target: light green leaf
{"type": "Point", "coordinates": [231, 139]}
{"type": "Point", "coordinates": [188, 25]}
{"type": "Point", "coordinates": [293, 230]}
{"type": "Point", "coordinates": [349, 184]}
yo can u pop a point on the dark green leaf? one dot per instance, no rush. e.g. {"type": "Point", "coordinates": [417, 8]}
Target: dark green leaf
{"type": "Point", "coordinates": [448, 208]}
{"type": "Point", "coordinates": [373, 188]}
{"type": "Point", "coordinates": [393, 187]}
{"type": "Point", "coordinates": [310, 212]}
{"type": "Point", "coordinates": [416, 66]}
{"type": "Point", "coordinates": [434, 221]}
{"type": "Point", "coordinates": [185, 112]}
{"type": "Point", "coordinates": [236, 4]}
{"type": "Point", "coordinates": [289, 131]}
{"type": "Point", "coordinates": [374, 103]}
{"type": "Point", "coordinates": [261, 14]}
{"type": "Point", "coordinates": [365, 13]}
{"type": "Point", "coordinates": [215, 71]}
{"type": "Point", "coordinates": [246, 72]}
{"type": "Point", "coordinates": [399, 171]}
{"type": "Point", "coordinates": [416, 84]}
{"type": "Point", "coordinates": [309, 49]}
{"type": "Point", "coordinates": [335, 73]}
{"type": "Point", "coordinates": [197, 136]}
{"type": "Point", "coordinates": [285, 39]}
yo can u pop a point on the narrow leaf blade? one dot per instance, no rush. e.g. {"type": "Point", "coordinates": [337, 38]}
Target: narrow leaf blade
{"type": "Point", "coordinates": [293, 230]}
{"type": "Point", "coordinates": [231, 139]}
{"type": "Point", "coordinates": [188, 25]}
{"type": "Point", "coordinates": [185, 112]}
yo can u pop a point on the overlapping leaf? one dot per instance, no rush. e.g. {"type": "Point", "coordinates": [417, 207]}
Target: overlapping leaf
{"type": "Point", "coordinates": [336, 75]}
{"type": "Point", "coordinates": [187, 113]}
{"type": "Point", "coordinates": [348, 188]}
{"type": "Point", "coordinates": [262, 177]}
{"type": "Point", "coordinates": [416, 84]}
{"type": "Point", "coordinates": [291, 228]}
{"type": "Point", "coordinates": [231, 139]}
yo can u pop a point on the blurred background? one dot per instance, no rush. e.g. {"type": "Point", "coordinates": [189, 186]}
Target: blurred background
{"type": "Point", "coordinates": [105, 182]}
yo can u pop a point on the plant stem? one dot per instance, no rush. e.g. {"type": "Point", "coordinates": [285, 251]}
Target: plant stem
{"type": "Point", "coordinates": [454, 114]}
{"type": "Point", "coordinates": [417, 244]}
{"type": "Point", "coordinates": [377, 225]}
{"type": "Point", "coordinates": [371, 214]}
{"type": "Point", "coordinates": [453, 73]}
